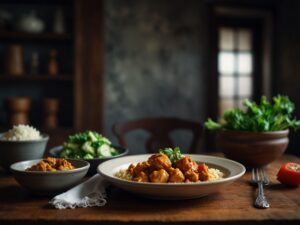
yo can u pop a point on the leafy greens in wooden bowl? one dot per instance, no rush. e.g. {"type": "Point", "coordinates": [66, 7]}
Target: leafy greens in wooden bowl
{"type": "Point", "coordinates": [263, 117]}
{"type": "Point", "coordinates": [257, 135]}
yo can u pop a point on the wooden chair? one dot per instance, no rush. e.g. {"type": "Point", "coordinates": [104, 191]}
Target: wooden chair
{"type": "Point", "coordinates": [159, 129]}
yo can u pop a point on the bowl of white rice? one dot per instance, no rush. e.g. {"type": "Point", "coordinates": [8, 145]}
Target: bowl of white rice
{"type": "Point", "coordinates": [21, 142]}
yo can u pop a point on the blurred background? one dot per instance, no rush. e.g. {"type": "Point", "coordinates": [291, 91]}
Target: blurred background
{"type": "Point", "coordinates": [73, 65]}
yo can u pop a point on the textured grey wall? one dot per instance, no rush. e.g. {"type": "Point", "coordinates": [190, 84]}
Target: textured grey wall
{"type": "Point", "coordinates": [155, 61]}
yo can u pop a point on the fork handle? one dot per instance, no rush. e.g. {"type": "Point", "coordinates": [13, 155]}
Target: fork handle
{"type": "Point", "coordinates": [261, 201]}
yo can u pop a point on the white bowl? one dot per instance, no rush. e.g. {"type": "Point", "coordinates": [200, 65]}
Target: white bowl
{"type": "Point", "coordinates": [48, 182]}
{"type": "Point", "coordinates": [231, 169]}
{"type": "Point", "coordinates": [16, 151]}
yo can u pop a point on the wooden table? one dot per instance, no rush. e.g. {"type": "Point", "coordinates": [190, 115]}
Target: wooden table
{"type": "Point", "coordinates": [232, 205]}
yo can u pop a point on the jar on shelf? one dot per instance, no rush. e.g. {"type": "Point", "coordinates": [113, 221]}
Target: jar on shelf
{"type": "Point", "coordinates": [31, 23]}
{"type": "Point", "coordinates": [59, 26]}
{"type": "Point", "coordinates": [50, 107]}
{"type": "Point", "coordinates": [14, 60]}
{"type": "Point", "coordinates": [52, 64]}
{"type": "Point", "coordinates": [34, 64]}
{"type": "Point", "coordinates": [18, 109]}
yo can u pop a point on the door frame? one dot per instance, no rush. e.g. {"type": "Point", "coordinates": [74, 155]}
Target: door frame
{"type": "Point", "coordinates": [89, 63]}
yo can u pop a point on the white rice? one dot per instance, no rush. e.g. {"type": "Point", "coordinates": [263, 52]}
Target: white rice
{"type": "Point", "coordinates": [22, 133]}
{"type": "Point", "coordinates": [214, 174]}
{"type": "Point", "coordinates": [123, 174]}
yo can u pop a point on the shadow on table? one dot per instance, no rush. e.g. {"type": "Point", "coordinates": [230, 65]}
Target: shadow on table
{"type": "Point", "coordinates": [4, 173]}
{"type": "Point", "coordinates": [13, 194]}
{"type": "Point", "coordinates": [16, 194]}
{"type": "Point", "coordinates": [125, 201]}
{"type": "Point", "coordinates": [280, 187]}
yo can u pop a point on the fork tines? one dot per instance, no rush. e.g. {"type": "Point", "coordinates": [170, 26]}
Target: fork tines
{"type": "Point", "coordinates": [259, 175]}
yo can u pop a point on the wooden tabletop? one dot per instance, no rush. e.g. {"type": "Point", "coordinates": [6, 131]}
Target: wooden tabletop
{"type": "Point", "coordinates": [233, 205]}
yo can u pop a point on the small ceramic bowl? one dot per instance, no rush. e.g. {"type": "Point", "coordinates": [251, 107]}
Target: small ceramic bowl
{"type": "Point", "coordinates": [48, 182]}
{"type": "Point", "coordinates": [55, 152]}
{"type": "Point", "coordinates": [16, 151]}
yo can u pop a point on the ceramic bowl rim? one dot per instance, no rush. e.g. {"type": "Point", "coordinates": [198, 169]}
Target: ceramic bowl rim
{"type": "Point", "coordinates": [286, 131]}
{"type": "Point", "coordinates": [86, 166]}
{"type": "Point", "coordinates": [53, 150]}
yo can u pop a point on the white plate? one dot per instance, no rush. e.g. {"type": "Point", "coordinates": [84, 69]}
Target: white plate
{"type": "Point", "coordinates": [232, 170]}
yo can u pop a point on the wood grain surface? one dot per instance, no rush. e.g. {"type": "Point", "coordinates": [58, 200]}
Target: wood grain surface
{"type": "Point", "coordinates": [233, 205]}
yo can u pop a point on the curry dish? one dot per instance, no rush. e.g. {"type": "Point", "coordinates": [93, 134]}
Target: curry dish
{"type": "Point", "coordinates": [159, 169]}
{"type": "Point", "coordinates": [52, 164]}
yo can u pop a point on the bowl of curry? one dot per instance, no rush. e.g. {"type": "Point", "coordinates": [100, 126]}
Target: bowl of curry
{"type": "Point", "coordinates": [49, 176]}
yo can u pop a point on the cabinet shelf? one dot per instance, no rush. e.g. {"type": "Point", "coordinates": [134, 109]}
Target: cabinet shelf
{"type": "Point", "coordinates": [62, 77]}
{"type": "Point", "coordinates": [45, 36]}
{"type": "Point", "coordinates": [80, 78]}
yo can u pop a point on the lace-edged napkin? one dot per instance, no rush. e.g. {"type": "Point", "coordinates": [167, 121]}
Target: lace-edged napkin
{"type": "Point", "coordinates": [87, 194]}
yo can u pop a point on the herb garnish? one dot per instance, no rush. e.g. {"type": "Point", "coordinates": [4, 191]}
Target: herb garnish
{"type": "Point", "coordinates": [173, 154]}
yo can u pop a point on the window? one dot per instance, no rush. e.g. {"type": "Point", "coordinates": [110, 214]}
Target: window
{"type": "Point", "coordinates": [235, 66]}
{"type": "Point", "coordinates": [240, 62]}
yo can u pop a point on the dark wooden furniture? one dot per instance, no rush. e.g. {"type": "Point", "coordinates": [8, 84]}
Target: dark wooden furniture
{"type": "Point", "coordinates": [89, 62]}
{"type": "Point", "coordinates": [159, 129]}
{"type": "Point", "coordinates": [78, 85]}
{"type": "Point", "coordinates": [233, 205]}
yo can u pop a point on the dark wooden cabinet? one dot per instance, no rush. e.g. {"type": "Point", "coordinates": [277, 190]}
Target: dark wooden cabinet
{"type": "Point", "coordinates": [78, 85]}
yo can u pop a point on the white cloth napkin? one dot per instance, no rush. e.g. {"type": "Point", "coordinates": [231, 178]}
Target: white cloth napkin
{"type": "Point", "coordinates": [87, 194]}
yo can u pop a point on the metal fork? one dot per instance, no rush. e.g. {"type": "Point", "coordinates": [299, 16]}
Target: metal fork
{"type": "Point", "coordinates": [259, 177]}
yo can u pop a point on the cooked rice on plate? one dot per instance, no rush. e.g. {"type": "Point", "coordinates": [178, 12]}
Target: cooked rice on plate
{"type": "Point", "coordinates": [169, 166]}
{"type": "Point", "coordinates": [214, 174]}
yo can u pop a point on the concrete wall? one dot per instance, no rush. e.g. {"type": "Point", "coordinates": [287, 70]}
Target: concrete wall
{"type": "Point", "coordinates": [155, 61]}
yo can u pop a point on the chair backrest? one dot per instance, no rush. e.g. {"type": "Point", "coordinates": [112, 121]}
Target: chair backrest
{"type": "Point", "coordinates": [159, 129]}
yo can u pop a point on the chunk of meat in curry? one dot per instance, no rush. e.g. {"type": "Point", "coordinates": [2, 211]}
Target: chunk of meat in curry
{"type": "Point", "coordinates": [159, 169]}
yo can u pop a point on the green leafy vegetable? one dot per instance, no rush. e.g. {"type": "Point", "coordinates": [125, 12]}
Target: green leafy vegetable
{"type": "Point", "coordinates": [173, 154]}
{"type": "Point", "coordinates": [262, 117]}
{"type": "Point", "coordinates": [87, 145]}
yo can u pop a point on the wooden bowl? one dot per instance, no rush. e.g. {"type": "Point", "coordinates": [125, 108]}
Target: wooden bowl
{"type": "Point", "coordinates": [253, 149]}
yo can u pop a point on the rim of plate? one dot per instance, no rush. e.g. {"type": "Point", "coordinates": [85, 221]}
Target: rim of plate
{"type": "Point", "coordinates": [223, 180]}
